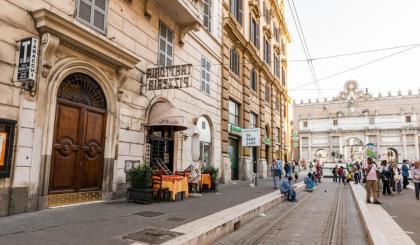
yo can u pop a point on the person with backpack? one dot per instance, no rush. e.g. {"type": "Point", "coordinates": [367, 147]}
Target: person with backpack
{"type": "Point", "coordinates": [274, 173]}
{"type": "Point", "coordinates": [334, 173]}
{"type": "Point", "coordinates": [386, 179]}
{"type": "Point", "coordinates": [279, 168]}
{"type": "Point", "coordinates": [405, 173]}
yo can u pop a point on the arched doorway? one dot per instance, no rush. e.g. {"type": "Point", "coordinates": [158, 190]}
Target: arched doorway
{"type": "Point", "coordinates": [392, 155]}
{"type": "Point", "coordinates": [79, 136]}
{"type": "Point", "coordinates": [354, 150]}
{"type": "Point", "coordinates": [321, 155]}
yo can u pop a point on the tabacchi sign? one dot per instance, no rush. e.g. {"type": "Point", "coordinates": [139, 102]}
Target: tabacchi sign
{"type": "Point", "coordinates": [170, 77]}
{"type": "Point", "coordinates": [28, 52]}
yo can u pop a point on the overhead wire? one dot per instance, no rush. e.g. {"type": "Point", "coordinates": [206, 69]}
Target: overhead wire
{"type": "Point", "coordinates": [303, 42]}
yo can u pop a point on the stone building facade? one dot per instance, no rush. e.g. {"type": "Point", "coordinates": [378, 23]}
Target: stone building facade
{"type": "Point", "coordinates": [356, 122]}
{"type": "Point", "coordinates": [97, 106]}
{"type": "Point", "coordinates": [254, 89]}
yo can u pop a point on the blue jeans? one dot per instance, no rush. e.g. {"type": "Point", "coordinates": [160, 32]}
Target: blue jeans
{"type": "Point", "coordinates": [291, 195]}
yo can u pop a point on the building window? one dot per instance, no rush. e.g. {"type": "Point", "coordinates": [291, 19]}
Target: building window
{"type": "Point", "coordinates": [234, 61]}
{"type": "Point", "coordinates": [233, 113]}
{"type": "Point", "coordinates": [92, 13]}
{"type": "Point", "coordinates": [166, 37]}
{"type": "Point", "coordinates": [276, 33]}
{"type": "Point", "coordinates": [252, 120]}
{"type": "Point", "coordinates": [267, 52]}
{"type": "Point", "coordinates": [236, 9]}
{"type": "Point", "coordinates": [277, 66]}
{"type": "Point", "coordinates": [266, 13]}
{"type": "Point", "coordinates": [335, 122]}
{"type": "Point", "coordinates": [305, 124]}
{"type": "Point", "coordinates": [267, 92]}
{"type": "Point", "coordinates": [255, 33]}
{"type": "Point", "coordinates": [207, 14]}
{"type": "Point", "coordinates": [205, 75]}
{"type": "Point", "coordinates": [372, 120]}
{"type": "Point", "coordinates": [203, 125]}
{"type": "Point", "coordinates": [7, 135]}
{"type": "Point", "coordinates": [253, 80]}
{"type": "Point", "coordinates": [279, 135]}
{"type": "Point", "coordinates": [408, 119]}
{"type": "Point", "coordinates": [277, 104]}
{"type": "Point", "coordinates": [283, 77]}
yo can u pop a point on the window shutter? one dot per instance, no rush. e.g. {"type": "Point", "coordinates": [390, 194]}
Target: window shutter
{"type": "Point", "coordinates": [210, 8]}
{"type": "Point", "coordinates": [258, 35]}
{"type": "Point", "coordinates": [269, 54]}
{"type": "Point", "coordinates": [99, 14]}
{"type": "Point", "coordinates": [84, 10]}
{"type": "Point", "coordinates": [240, 11]}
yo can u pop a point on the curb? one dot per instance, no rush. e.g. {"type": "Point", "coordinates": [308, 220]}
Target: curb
{"type": "Point", "coordinates": [374, 224]}
{"type": "Point", "coordinates": [208, 229]}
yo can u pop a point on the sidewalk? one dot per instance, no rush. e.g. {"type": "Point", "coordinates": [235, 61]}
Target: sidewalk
{"type": "Point", "coordinates": [108, 222]}
{"type": "Point", "coordinates": [405, 210]}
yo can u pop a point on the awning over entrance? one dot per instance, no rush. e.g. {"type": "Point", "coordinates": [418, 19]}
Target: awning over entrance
{"type": "Point", "coordinates": [164, 114]}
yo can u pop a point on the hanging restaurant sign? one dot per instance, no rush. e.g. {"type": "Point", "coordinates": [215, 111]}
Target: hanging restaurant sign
{"type": "Point", "coordinates": [169, 77]}
{"type": "Point", "coordinates": [28, 52]}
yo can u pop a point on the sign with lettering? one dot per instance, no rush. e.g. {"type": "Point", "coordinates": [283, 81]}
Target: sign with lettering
{"type": "Point", "coordinates": [28, 53]}
{"type": "Point", "coordinates": [170, 77]}
{"type": "Point", "coordinates": [251, 137]}
{"type": "Point", "coordinates": [234, 129]}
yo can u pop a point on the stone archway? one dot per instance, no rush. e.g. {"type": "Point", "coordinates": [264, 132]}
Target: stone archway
{"type": "Point", "coordinates": [354, 150]}
{"type": "Point", "coordinates": [321, 155]}
{"type": "Point", "coordinates": [392, 155]}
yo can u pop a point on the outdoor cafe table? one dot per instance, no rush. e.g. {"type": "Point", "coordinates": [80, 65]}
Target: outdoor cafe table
{"type": "Point", "coordinates": [175, 184]}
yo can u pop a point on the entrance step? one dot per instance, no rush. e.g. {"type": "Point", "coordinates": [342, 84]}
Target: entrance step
{"type": "Point", "coordinates": [56, 200]}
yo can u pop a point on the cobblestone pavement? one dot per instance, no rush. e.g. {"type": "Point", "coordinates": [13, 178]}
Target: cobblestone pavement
{"type": "Point", "coordinates": [106, 223]}
{"type": "Point", "coordinates": [306, 225]}
{"type": "Point", "coordinates": [405, 210]}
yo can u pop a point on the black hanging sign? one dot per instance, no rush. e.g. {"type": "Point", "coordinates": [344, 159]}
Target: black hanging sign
{"type": "Point", "coordinates": [28, 53]}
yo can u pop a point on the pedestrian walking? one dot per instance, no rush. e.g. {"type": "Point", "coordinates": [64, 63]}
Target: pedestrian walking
{"type": "Point", "coordinates": [405, 173]}
{"type": "Point", "coordinates": [296, 171]}
{"type": "Point", "coordinates": [274, 173]}
{"type": "Point", "coordinates": [394, 172]}
{"type": "Point", "coordinates": [310, 166]}
{"type": "Point", "coordinates": [416, 178]}
{"type": "Point", "coordinates": [398, 180]}
{"type": "Point", "coordinates": [279, 168]}
{"type": "Point", "coordinates": [287, 189]}
{"type": "Point", "coordinates": [386, 178]}
{"type": "Point", "coordinates": [340, 171]}
{"type": "Point", "coordinates": [334, 173]}
{"type": "Point", "coordinates": [371, 182]}
{"type": "Point", "coordinates": [343, 176]}
{"type": "Point", "coordinates": [356, 171]}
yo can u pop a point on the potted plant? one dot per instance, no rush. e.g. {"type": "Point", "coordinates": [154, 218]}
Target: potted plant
{"type": "Point", "coordinates": [213, 175]}
{"type": "Point", "coordinates": [141, 184]}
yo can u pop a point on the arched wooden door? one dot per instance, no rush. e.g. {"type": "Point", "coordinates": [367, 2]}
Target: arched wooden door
{"type": "Point", "coordinates": [78, 145]}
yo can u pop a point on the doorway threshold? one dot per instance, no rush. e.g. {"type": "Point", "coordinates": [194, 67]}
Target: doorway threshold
{"type": "Point", "coordinates": [66, 199]}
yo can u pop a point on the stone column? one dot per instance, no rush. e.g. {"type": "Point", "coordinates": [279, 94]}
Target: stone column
{"type": "Point", "coordinates": [330, 139]}
{"type": "Point", "coordinates": [300, 148]}
{"type": "Point", "coordinates": [340, 144]}
{"type": "Point", "coordinates": [378, 144]}
{"type": "Point", "coordinates": [404, 138]}
{"type": "Point", "coordinates": [416, 145]}
{"type": "Point", "coordinates": [310, 157]}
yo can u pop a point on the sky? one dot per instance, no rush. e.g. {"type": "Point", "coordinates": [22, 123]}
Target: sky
{"type": "Point", "coordinates": [333, 27]}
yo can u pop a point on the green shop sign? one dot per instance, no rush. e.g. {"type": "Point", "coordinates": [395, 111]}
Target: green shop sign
{"type": "Point", "coordinates": [234, 129]}
{"type": "Point", "coordinates": [266, 141]}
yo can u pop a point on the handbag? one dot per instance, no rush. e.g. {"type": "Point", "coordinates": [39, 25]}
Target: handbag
{"type": "Point", "coordinates": [364, 177]}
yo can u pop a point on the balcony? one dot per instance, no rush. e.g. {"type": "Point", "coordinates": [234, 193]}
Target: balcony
{"type": "Point", "coordinates": [187, 14]}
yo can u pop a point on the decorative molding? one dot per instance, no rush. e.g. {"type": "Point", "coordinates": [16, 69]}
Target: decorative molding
{"type": "Point", "coordinates": [185, 29]}
{"type": "Point", "coordinates": [122, 75]}
{"type": "Point", "coordinates": [255, 8]}
{"type": "Point", "coordinates": [267, 31]}
{"type": "Point", "coordinates": [70, 31]}
{"type": "Point", "coordinates": [49, 45]}
{"type": "Point", "coordinates": [277, 48]}
{"type": "Point", "coordinates": [150, 4]}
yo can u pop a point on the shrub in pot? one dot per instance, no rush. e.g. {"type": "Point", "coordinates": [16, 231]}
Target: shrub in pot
{"type": "Point", "coordinates": [141, 184]}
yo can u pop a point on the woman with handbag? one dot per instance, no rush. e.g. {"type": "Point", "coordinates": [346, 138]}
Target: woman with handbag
{"type": "Point", "coordinates": [416, 178]}
{"type": "Point", "coordinates": [274, 173]}
{"type": "Point", "coordinates": [371, 180]}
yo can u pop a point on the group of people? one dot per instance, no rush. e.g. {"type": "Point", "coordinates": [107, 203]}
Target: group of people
{"type": "Point", "coordinates": [390, 178]}
{"type": "Point", "coordinates": [386, 177]}
{"type": "Point", "coordinates": [291, 170]}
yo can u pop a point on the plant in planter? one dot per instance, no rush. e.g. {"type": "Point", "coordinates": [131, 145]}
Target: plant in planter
{"type": "Point", "coordinates": [141, 184]}
{"type": "Point", "coordinates": [213, 175]}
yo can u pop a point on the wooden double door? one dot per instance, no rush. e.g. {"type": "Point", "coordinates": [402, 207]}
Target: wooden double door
{"type": "Point", "coordinates": [78, 147]}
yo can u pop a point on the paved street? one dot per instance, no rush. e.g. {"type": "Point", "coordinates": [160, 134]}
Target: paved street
{"type": "Point", "coordinates": [105, 223]}
{"type": "Point", "coordinates": [308, 223]}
